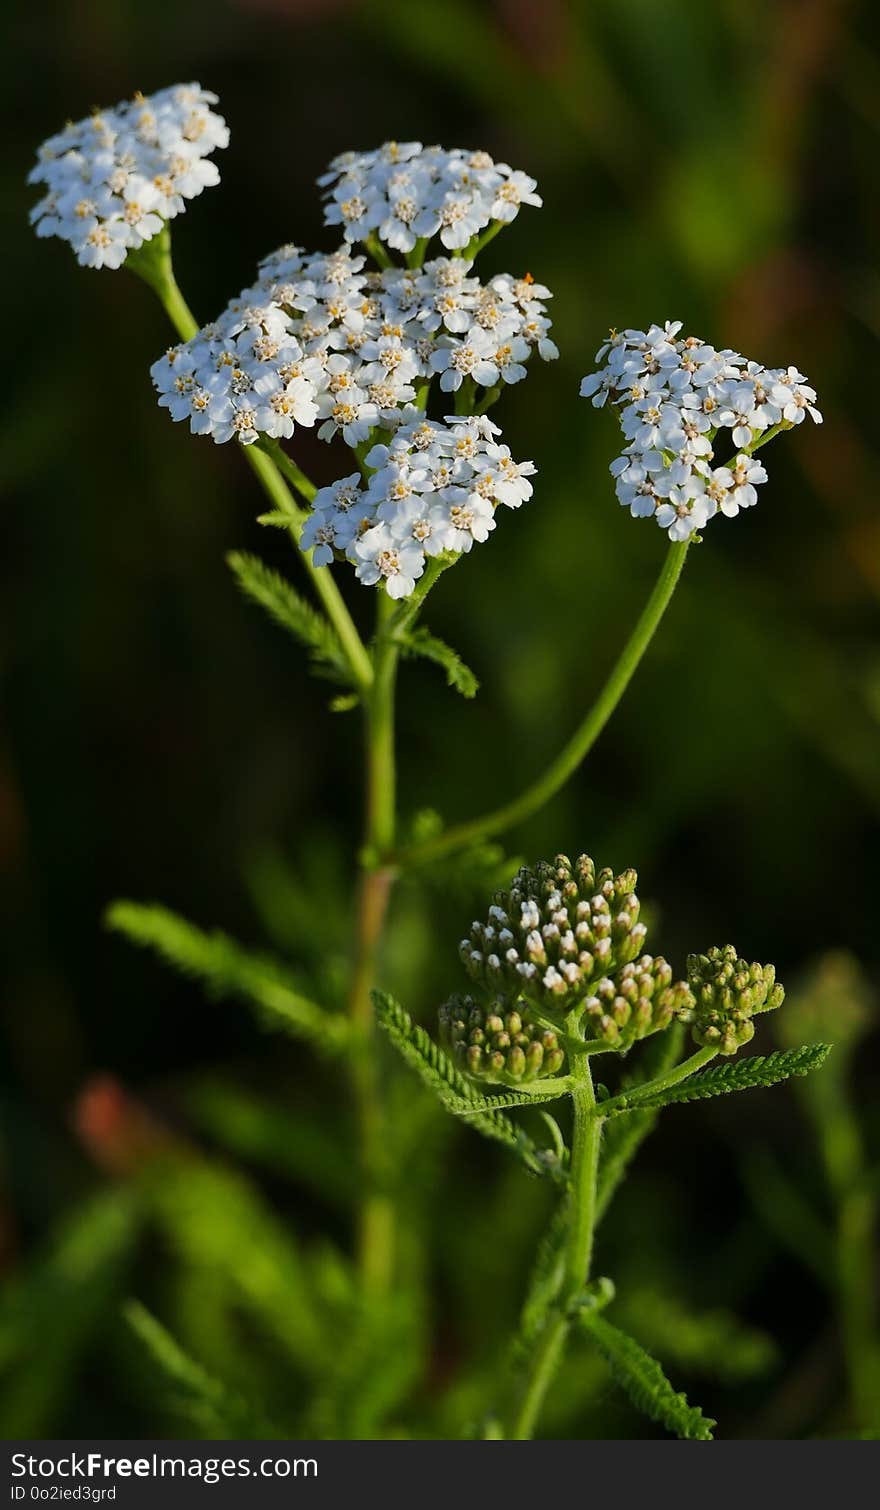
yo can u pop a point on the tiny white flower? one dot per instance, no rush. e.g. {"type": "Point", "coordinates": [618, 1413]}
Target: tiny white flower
{"type": "Point", "coordinates": [117, 176]}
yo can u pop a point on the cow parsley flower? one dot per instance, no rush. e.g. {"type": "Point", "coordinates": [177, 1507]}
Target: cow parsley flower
{"type": "Point", "coordinates": [404, 192]}
{"type": "Point", "coordinates": [320, 339]}
{"type": "Point", "coordinates": [434, 489]}
{"type": "Point", "coordinates": [115, 178]}
{"type": "Point", "coordinates": [677, 399]}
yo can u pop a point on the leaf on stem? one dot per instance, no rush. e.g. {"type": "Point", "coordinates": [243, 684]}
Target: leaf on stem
{"type": "Point", "coordinates": [420, 642]}
{"type": "Point", "coordinates": [437, 1071]}
{"type": "Point", "coordinates": [721, 1079]}
{"type": "Point", "coordinates": [210, 1405]}
{"type": "Point", "coordinates": [226, 969]}
{"type": "Point", "coordinates": [284, 604]}
{"type": "Point", "coordinates": [643, 1380]}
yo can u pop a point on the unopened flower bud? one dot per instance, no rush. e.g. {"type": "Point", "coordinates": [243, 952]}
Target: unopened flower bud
{"type": "Point", "coordinates": [497, 1042]}
{"type": "Point", "coordinates": [638, 1000]}
{"type": "Point", "coordinates": [727, 993]}
{"type": "Point", "coordinates": [565, 925]}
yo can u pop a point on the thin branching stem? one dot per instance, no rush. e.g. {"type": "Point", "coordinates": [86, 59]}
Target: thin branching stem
{"type": "Point", "coordinates": [581, 742]}
{"type": "Point", "coordinates": [157, 271]}
{"type": "Point", "coordinates": [376, 1241]}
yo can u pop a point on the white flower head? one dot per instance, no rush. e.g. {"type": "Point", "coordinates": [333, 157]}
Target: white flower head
{"type": "Point", "coordinates": [115, 178]}
{"type": "Point", "coordinates": [404, 192]}
{"type": "Point", "coordinates": [320, 340]}
{"type": "Point", "coordinates": [678, 401]}
{"type": "Point", "coordinates": [434, 488]}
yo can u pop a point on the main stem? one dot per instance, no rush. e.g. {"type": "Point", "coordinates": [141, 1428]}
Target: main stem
{"type": "Point", "coordinates": [578, 1253]}
{"type": "Point", "coordinates": [375, 1243]}
{"type": "Point", "coordinates": [584, 737]}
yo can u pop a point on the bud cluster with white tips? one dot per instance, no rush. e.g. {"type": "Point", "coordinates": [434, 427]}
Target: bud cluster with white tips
{"type": "Point", "coordinates": [114, 178]}
{"type": "Point", "coordinates": [559, 929]}
{"type": "Point", "coordinates": [568, 936]}
{"type": "Point", "coordinates": [678, 398]}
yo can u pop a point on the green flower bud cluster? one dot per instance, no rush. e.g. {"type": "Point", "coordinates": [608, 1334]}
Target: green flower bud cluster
{"type": "Point", "coordinates": [495, 1043]}
{"type": "Point", "coordinates": [728, 992]}
{"type": "Point", "coordinates": [559, 929]}
{"type": "Point", "coordinates": [641, 998]}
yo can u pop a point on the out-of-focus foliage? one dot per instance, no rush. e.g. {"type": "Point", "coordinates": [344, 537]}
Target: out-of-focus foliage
{"type": "Point", "coordinates": [161, 739]}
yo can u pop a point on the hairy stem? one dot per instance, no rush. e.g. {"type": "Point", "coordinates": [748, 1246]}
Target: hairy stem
{"type": "Point", "coordinates": [577, 1253]}
{"type": "Point", "coordinates": [650, 1088]}
{"type": "Point", "coordinates": [153, 264]}
{"type": "Point", "coordinates": [581, 742]}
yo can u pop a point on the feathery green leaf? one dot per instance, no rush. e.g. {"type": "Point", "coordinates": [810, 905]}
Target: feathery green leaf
{"type": "Point", "coordinates": [721, 1079]}
{"type": "Point", "coordinates": [212, 1406]}
{"type": "Point", "coordinates": [643, 1380]}
{"type": "Point", "coordinates": [437, 1071]}
{"type": "Point", "coordinates": [458, 675]}
{"type": "Point", "coordinates": [226, 969]}
{"type": "Point", "coordinates": [276, 518]}
{"type": "Point", "coordinates": [285, 605]}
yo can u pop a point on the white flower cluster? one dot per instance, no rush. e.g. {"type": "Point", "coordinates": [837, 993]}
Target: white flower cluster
{"type": "Point", "coordinates": [319, 338]}
{"type": "Point", "coordinates": [114, 178]}
{"type": "Point", "coordinates": [404, 192]}
{"type": "Point", "coordinates": [435, 488]}
{"type": "Point", "coordinates": [677, 397]}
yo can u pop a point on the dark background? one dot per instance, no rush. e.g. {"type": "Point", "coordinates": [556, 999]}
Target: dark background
{"type": "Point", "coordinates": [161, 740]}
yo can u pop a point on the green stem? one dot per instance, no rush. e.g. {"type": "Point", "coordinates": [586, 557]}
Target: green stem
{"type": "Point", "coordinates": [581, 742]}
{"type": "Point", "coordinates": [373, 245]}
{"type": "Point", "coordinates": [153, 264]}
{"type": "Point", "coordinates": [289, 469]}
{"type": "Point", "coordinates": [376, 1218]}
{"type": "Point", "coordinates": [577, 1253]}
{"type": "Point", "coordinates": [476, 244]}
{"type": "Point", "coordinates": [843, 1155]}
{"type": "Point", "coordinates": [650, 1088]}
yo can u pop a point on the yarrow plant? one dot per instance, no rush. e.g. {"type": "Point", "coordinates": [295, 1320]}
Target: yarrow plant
{"type": "Point", "coordinates": [393, 347]}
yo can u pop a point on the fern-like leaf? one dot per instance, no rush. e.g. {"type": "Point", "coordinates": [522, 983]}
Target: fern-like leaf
{"type": "Point", "coordinates": [458, 675]}
{"type": "Point", "coordinates": [548, 1090]}
{"type": "Point", "coordinates": [643, 1380]}
{"type": "Point", "coordinates": [284, 604]}
{"type": "Point", "coordinates": [721, 1079]}
{"type": "Point", "coordinates": [435, 1068]}
{"type": "Point", "coordinates": [226, 969]}
{"type": "Point", "coordinates": [203, 1399]}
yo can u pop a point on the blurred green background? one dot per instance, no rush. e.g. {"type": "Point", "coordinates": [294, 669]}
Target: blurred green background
{"type": "Point", "coordinates": [161, 740]}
